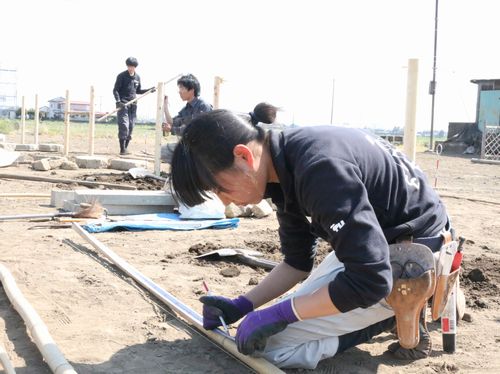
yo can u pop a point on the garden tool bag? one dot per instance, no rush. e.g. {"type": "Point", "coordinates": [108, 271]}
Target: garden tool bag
{"type": "Point", "coordinates": [414, 282]}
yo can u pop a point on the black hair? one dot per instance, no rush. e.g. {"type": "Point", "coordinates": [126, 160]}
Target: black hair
{"type": "Point", "coordinates": [190, 82]}
{"type": "Point", "coordinates": [206, 148]}
{"type": "Point", "coordinates": [132, 61]}
{"type": "Point", "coordinates": [263, 111]}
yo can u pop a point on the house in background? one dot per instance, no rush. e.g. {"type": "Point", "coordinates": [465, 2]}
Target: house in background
{"type": "Point", "coordinates": [56, 109]}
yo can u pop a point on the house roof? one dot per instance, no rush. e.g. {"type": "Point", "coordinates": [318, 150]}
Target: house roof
{"type": "Point", "coordinates": [57, 99]}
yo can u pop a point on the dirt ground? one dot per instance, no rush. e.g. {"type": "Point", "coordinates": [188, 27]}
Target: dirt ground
{"type": "Point", "coordinates": [104, 323]}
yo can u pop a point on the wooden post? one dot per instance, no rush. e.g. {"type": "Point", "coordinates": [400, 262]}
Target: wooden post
{"type": "Point", "coordinates": [217, 82]}
{"type": "Point", "coordinates": [158, 132]}
{"type": "Point", "coordinates": [91, 122]}
{"type": "Point", "coordinates": [37, 119]}
{"type": "Point", "coordinates": [23, 122]}
{"type": "Point", "coordinates": [67, 108]}
{"type": "Point", "coordinates": [410, 135]}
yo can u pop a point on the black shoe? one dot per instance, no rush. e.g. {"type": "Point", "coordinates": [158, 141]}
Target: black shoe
{"type": "Point", "coordinates": [123, 147]}
{"type": "Point", "coordinates": [422, 350]}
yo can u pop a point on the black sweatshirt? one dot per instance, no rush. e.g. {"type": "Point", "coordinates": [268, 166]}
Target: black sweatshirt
{"type": "Point", "coordinates": [360, 194]}
{"type": "Point", "coordinates": [127, 86]}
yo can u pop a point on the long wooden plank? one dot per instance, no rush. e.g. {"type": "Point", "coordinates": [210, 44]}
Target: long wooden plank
{"type": "Point", "coordinates": [218, 336]}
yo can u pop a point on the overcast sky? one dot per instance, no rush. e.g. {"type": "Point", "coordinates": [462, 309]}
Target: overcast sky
{"type": "Point", "coordinates": [285, 52]}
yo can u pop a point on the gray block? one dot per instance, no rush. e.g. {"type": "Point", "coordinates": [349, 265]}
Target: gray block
{"type": "Point", "coordinates": [126, 164]}
{"type": "Point", "coordinates": [26, 147]}
{"type": "Point", "coordinates": [125, 210]}
{"type": "Point", "coordinates": [41, 165]}
{"type": "Point", "coordinates": [91, 162]}
{"type": "Point", "coordinates": [50, 147]}
{"type": "Point", "coordinates": [56, 162]}
{"type": "Point", "coordinates": [69, 165]}
{"type": "Point", "coordinates": [121, 197]}
{"type": "Point", "coordinates": [57, 197]}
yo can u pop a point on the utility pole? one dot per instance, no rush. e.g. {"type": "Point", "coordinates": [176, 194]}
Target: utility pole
{"type": "Point", "coordinates": [432, 85]}
{"type": "Point", "coordinates": [333, 95]}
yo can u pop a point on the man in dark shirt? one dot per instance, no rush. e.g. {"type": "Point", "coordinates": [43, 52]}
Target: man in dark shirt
{"type": "Point", "coordinates": [127, 85]}
{"type": "Point", "coordinates": [189, 91]}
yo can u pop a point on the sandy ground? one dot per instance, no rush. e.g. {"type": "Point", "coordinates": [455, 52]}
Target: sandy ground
{"type": "Point", "coordinates": [104, 323]}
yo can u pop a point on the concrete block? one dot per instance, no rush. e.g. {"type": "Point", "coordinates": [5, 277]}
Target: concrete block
{"type": "Point", "coordinates": [70, 206]}
{"type": "Point", "coordinates": [126, 164]}
{"type": "Point", "coordinates": [262, 209]}
{"type": "Point", "coordinates": [49, 147]}
{"type": "Point", "coordinates": [69, 165]}
{"type": "Point", "coordinates": [91, 162]}
{"type": "Point", "coordinates": [233, 210]}
{"type": "Point", "coordinates": [41, 165]}
{"type": "Point", "coordinates": [8, 146]}
{"type": "Point", "coordinates": [58, 196]}
{"type": "Point", "coordinates": [26, 147]}
{"type": "Point", "coordinates": [121, 197]}
{"type": "Point", "coordinates": [55, 163]}
{"type": "Point", "coordinates": [126, 210]}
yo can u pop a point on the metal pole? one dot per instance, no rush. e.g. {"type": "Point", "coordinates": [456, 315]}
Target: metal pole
{"type": "Point", "coordinates": [333, 94]}
{"type": "Point", "coordinates": [432, 86]}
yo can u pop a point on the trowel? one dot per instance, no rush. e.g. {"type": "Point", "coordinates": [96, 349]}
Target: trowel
{"type": "Point", "coordinates": [247, 256]}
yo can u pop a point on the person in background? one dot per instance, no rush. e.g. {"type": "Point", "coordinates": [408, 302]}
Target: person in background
{"type": "Point", "coordinates": [189, 91]}
{"type": "Point", "coordinates": [343, 185]}
{"type": "Point", "coordinates": [127, 86]}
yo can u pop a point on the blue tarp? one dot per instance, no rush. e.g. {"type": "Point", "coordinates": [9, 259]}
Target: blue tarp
{"type": "Point", "coordinates": [160, 221]}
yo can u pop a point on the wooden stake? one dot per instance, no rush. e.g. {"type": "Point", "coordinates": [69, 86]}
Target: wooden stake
{"type": "Point", "coordinates": [23, 122]}
{"type": "Point", "coordinates": [260, 365]}
{"type": "Point", "coordinates": [158, 130]}
{"type": "Point", "coordinates": [91, 122]}
{"type": "Point", "coordinates": [37, 119]}
{"type": "Point", "coordinates": [410, 135]}
{"type": "Point", "coordinates": [67, 108]}
{"type": "Point", "coordinates": [217, 83]}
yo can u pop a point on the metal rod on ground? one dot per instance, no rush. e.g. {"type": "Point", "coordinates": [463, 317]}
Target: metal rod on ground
{"type": "Point", "coordinates": [258, 364]}
{"type": "Point", "coordinates": [410, 135]}
{"type": "Point", "coordinates": [91, 122]}
{"type": "Point", "coordinates": [67, 108]}
{"type": "Point", "coordinates": [66, 181]}
{"type": "Point", "coordinates": [158, 129]}
{"type": "Point", "coordinates": [41, 336]}
{"type": "Point", "coordinates": [37, 119]}
{"type": "Point", "coordinates": [23, 121]}
{"type": "Point", "coordinates": [125, 104]}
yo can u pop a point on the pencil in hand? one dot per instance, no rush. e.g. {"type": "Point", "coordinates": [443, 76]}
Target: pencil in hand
{"type": "Point", "coordinates": [209, 293]}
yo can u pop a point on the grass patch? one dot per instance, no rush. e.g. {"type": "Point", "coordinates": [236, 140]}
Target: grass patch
{"type": "Point", "coordinates": [7, 126]}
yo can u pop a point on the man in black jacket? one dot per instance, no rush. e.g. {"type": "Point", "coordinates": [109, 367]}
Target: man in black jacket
{"type": "Point", "coordinates": [127, 85]}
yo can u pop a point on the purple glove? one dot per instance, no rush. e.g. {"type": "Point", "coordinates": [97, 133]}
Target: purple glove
{"type": "Point", "coordinates": [230, 310]}
{"type": "Point", "coordinates": [253, 332]}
